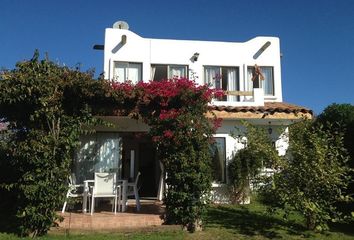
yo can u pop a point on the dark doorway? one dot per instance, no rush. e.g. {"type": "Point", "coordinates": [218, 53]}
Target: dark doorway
{"type": "Point", "coordinates": [149, 170]}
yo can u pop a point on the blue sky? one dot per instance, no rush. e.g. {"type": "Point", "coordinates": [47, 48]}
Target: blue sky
{"type": "Point", "coordinates": [317, 37]}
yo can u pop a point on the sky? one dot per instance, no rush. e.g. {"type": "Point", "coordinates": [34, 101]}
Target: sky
{"type": "Point", "coordinates": [316, 37]}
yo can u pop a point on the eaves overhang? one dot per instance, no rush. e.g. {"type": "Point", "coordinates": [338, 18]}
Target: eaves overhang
{"type": "Point", "coordinates": [270, 110]}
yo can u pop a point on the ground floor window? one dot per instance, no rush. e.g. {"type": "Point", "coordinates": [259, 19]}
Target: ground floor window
{"type": "Point", "coordinates": [218, 153]}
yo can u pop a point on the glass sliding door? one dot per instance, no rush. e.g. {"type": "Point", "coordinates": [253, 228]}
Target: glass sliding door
{"type": "Point", "coordinates": [100, 152]}
{"type": "Point", "coordinates": [267, 84]}
{"type": "Point", "coordinates": [213, 77]}
{"type": "Point", "coordinates": [225, 78]}
{"type": "Point", "coordinates": [230, 82]}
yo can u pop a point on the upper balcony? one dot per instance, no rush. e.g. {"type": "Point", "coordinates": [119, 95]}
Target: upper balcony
{"type": "Point", "coordinates": [241, 98]}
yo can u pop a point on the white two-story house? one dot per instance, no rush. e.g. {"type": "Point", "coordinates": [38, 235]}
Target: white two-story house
{"type": "Point", "coordinates": [249, 71]}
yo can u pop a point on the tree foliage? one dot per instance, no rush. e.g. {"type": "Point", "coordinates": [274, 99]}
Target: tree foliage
{"type": "Point", "coordinates": [340, 118]}
{"type": "Point", "coordinates": [248, 163]}
{"type": "Point", "coordinates": [47, 108]}
{"type": "Point", "coordinates": [313, 175]}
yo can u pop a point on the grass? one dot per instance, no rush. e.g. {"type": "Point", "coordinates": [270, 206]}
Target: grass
{"type": "Point", "coordinates": [253, 222]}
{"type": "Point", "coordinates": [226, 222]}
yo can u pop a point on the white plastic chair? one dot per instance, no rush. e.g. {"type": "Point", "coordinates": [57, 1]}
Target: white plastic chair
{"type": "Point", "coordinates": [133, 190]}
{"type": "Point", "coordinates": [73, 191]}
{"type": "Point", "coordinates": [105, 187]}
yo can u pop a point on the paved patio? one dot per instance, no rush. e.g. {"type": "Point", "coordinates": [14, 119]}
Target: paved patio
{"type": "Point", "coordinates": [104, 219]}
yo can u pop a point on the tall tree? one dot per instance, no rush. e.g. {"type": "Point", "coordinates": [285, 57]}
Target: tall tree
{"type": "Point", "coordinates": [313, 175]}
{"type": "Point", "coordinates": [340, 119]}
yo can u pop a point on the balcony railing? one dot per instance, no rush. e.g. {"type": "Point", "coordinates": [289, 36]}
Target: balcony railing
{"type": "Point", "coordinates": [244, 98]}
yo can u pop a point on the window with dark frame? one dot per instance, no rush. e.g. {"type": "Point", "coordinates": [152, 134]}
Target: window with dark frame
{"type": "Point", "coordinates": [218, 153]}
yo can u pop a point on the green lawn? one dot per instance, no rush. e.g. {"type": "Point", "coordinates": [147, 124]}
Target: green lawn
{"type": "Point", "coordinates": [226, 222]}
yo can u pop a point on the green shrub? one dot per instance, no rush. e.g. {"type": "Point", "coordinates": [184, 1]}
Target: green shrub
{"type": "Point", "coordinates": [313, 175]}
{"type": "Point", "coordinates": [247, 164]}
{"type": "Point", "coordinates": [46, 106]}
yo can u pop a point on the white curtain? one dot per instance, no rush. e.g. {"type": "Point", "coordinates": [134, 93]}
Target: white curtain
{"type": "Point", "coordinates": [177, 72]}
{"type": "Point", "coordinates": [267, 83]}
{"type": "Point", "coordinates": [153, 70]}
{"type": "Point", "coordinates": [119, 72]}
{"type": "Point", "coordinates": [99, 152]}
{"type": "Point", "coordinates": [213, 77]}
{"type": "Point", "coordinates": [232, 83]}
{"type": "Point", "coordinates": [109, 152]}
{"type": "Point", "coordinates": [84, 162]}
{"type": "Point", "coordinates": [249, 84]}
{"type": "Point", "coordinates": [134, 72]}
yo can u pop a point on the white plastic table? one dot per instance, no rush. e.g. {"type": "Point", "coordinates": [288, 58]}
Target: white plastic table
{"type": "Point", "coordinates": [124, 185]}
{"type": "Point", "coordinates": [86, 194]}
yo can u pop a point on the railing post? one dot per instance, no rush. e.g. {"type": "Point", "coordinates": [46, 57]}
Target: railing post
{"type": "Point", "coordinates": [258, 96]}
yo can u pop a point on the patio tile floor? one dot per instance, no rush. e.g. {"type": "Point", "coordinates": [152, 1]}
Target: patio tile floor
{"type": "Point", "coordinates": [104, 219]}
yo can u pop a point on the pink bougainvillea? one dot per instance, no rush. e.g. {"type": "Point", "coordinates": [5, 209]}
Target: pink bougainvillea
{"type": "Point", "coordinates": [156, 139]}
{"type": "Point", "coordinates": [176, 111]}
{"type": "Point", "coordinates": [167, 100]}
{"type": "Point", "coordinates": [168, 133]}
{"type": "Point", "coordinates": [217, 123]}
{"type": "Point", "coordinates": [169, 114]}
{"type": "Point", "coordinates": [126, 87]}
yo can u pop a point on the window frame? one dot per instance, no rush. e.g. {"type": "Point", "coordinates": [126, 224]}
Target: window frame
{"type": "Point", "coordinates": [115, 65]}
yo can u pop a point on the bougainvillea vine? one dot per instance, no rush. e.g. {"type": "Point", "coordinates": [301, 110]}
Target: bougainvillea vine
{"type": "Point", "coordinates": [175, 110]}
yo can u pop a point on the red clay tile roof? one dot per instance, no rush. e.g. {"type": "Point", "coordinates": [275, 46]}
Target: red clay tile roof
{"type": "Point", "coordinates": [269, 107]}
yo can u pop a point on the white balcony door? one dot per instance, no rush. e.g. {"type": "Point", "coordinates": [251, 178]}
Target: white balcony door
{"type": "Point", "coordinates": [267, 84]}
{"type": "Point", "coordinates": [232, 83]}
{"type": "Point", "coordinates": [225, 78]}
{"type": "Point", "coordinates": [213, 77]}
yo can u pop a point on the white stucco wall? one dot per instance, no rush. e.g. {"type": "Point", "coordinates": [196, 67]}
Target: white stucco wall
{"type": "Point", "coordinates": [161, 51]}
